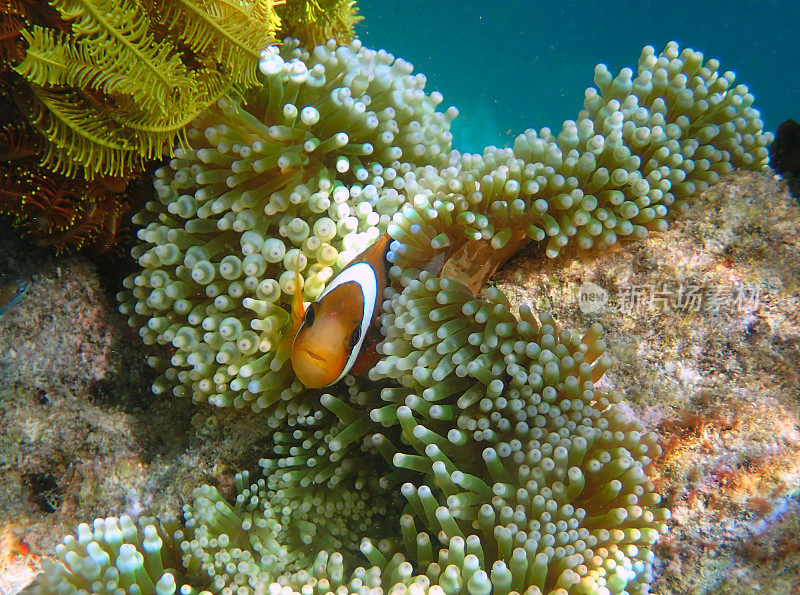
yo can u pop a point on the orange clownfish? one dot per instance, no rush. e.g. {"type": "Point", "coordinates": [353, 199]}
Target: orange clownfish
{"type": "Point", "coordinates": [339, 331]}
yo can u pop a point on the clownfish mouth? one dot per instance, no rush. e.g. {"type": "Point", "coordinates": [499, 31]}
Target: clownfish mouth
{"type": "Point", "coordinates": [315, 368]}
{"type": "Point", "coordinates": [314, 356]}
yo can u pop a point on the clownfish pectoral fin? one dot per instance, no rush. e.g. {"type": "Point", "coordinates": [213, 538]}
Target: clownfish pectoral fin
{"type": "Point", "coordinates": [436, 264]}
{"type": "Point", "coordinates": [295, 317]}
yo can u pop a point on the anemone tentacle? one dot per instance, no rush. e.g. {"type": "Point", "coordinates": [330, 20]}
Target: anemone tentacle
{"type": "Point", "coordinates": [480, 455]}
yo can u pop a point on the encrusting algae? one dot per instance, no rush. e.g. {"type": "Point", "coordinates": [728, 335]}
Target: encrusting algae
{"type": "Point", "coordinates": [479, 455]}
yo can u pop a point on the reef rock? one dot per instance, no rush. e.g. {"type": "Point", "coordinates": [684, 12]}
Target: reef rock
{"type": "Point", "coordinates": [703, 325]}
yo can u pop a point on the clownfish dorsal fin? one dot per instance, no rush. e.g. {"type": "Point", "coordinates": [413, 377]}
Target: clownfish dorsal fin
{"type": "Point", "coordinates": [296, 315]}
{"type": "Point", "coordinates": [298, 310]}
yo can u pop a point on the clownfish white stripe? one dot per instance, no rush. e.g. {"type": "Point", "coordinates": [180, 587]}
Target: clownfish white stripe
{"type": "Point", "coordinates": [363, 275]}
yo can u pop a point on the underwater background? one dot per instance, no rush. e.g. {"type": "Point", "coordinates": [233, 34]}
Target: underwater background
{"type": "Point", "coordinates": [632, 402]}
{"type": "Point", "coordinates": [515, 65]}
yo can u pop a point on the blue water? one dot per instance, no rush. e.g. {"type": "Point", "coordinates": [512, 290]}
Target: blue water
{"type": "Point", "coordinates": [508, 66]}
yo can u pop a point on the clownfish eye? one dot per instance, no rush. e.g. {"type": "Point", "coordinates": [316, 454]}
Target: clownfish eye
{"type": "Point", "coordinates": [309, 318]}
{"type": "Point", "coordinates": [355, 337]}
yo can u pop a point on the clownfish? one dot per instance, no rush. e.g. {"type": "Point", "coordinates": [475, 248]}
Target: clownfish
{"type": "Point", "coordinates": [339, 332]}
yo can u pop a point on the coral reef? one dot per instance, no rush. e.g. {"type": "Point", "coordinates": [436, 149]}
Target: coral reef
{"type": "Point", "coordinates": [92, 92]}
{"type": "Point", "coordinates": [18, 15]}
{"type": "Point", "coordinates": [560, 500]}
{"type": "Point", "coordinates": [74, 424]}
{"type": "Point", "coordinates": [702, 324]}
{"type": "Point", "coordinates": [484, 454]}
{"type": "Point", "coordinates": [297, 188]}
{"type": "Point", "coordinates": [718, 365]}
{"type": "Point", "coordinates": [115, 555]}
{"type": "Point", "coordinates": [645, 143]}
{"type": "Point", "coordinates": [218, 271]}
{"type": "Point", "coordinates": [54, 209]}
